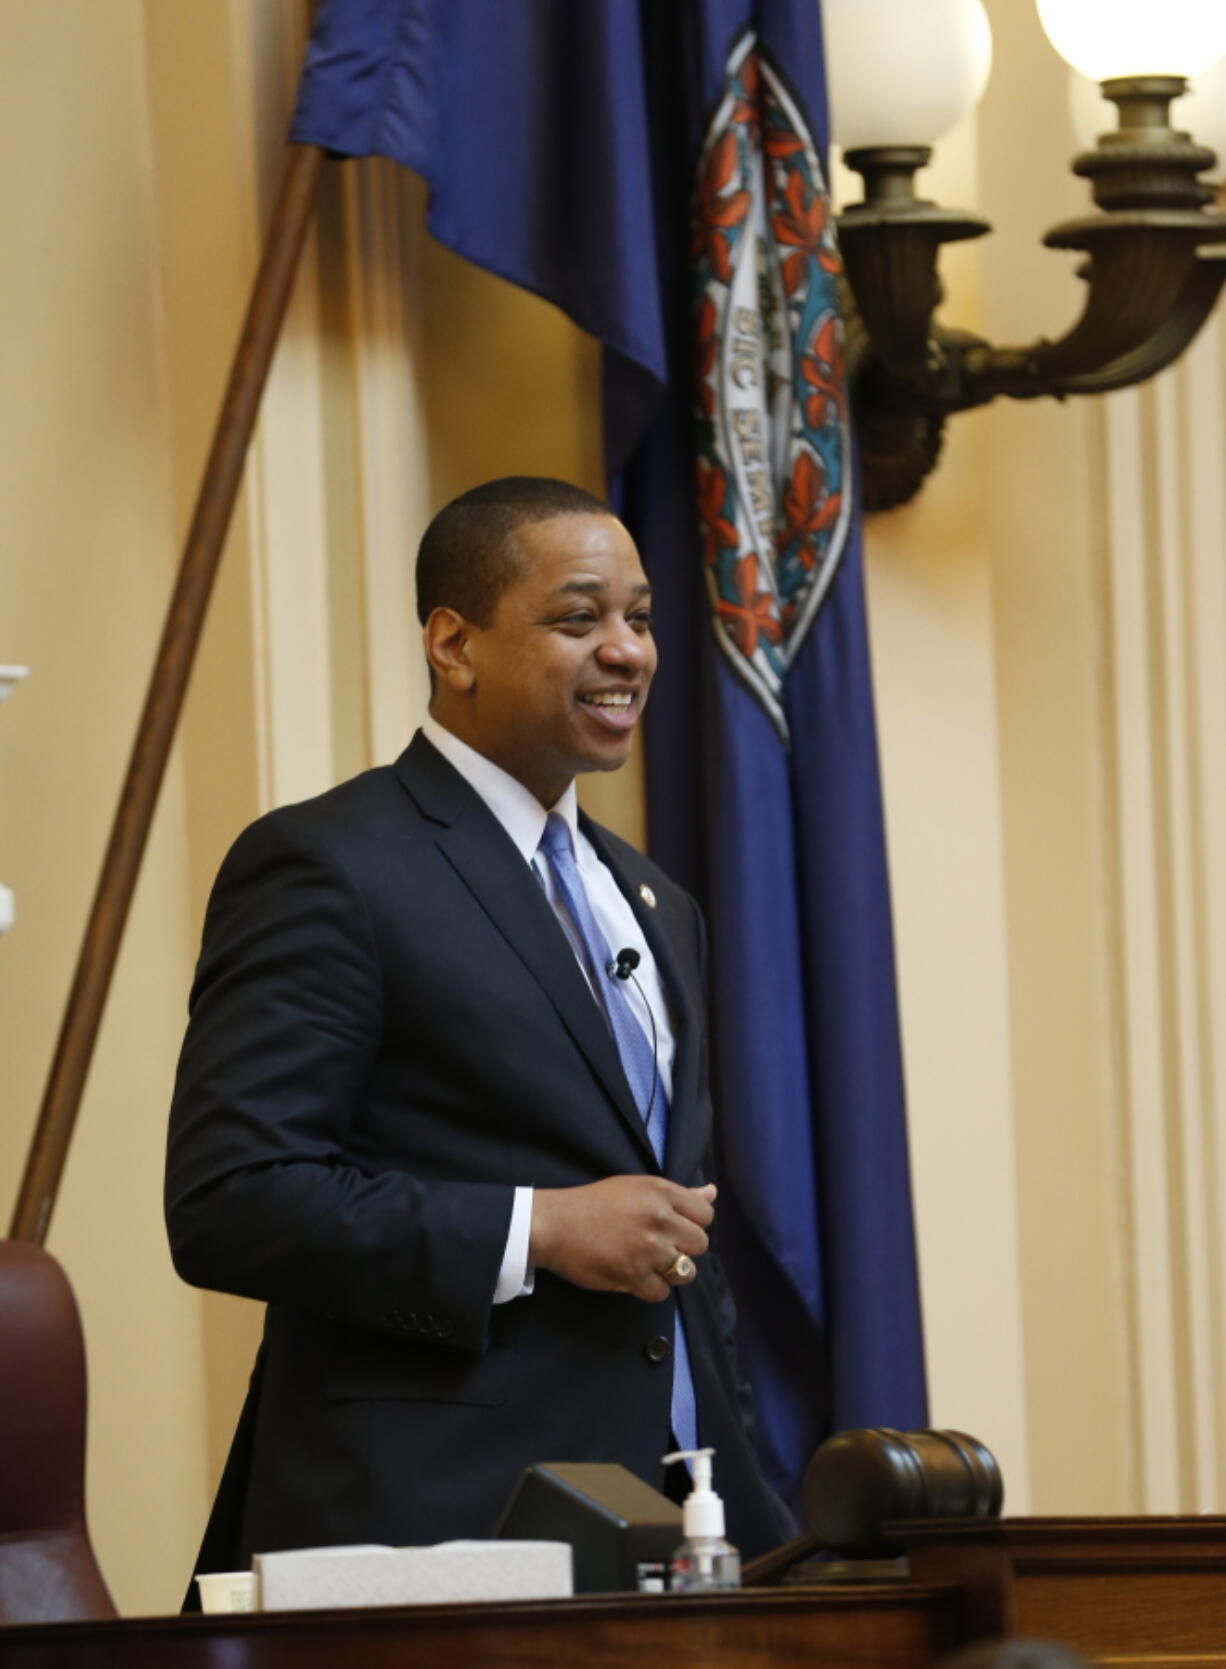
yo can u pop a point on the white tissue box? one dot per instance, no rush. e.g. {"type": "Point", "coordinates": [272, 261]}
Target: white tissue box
{"type": "Point", "coordinates": [328, 1578]}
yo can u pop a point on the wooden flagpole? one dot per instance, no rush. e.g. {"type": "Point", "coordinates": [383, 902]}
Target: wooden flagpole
{"type": "Point", "coordinates": [164, 700]}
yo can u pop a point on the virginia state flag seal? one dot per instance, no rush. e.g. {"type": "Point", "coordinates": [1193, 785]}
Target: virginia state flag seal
{"type": "Point", "coordinates": [773, 453]}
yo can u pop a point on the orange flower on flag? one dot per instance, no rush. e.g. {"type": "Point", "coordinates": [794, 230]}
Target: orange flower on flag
{"type": "Point", "coordinates": [802, 220]}
{"type": "Point", "coordinates": [716, 214]}
{"type": "Point", "coordinates": [808, 509]}
{"type": "Point", "coordinates": [802, 224]}
{"type": "Point", "coordinates": [718, 533]}
{"type": "Point", "coordinates": [823, 371]}
{"type": "Point", "coordinates": [754, 615]}
{"type": "Point", "coordinates": [745, 108]}
{"type": "Point", "coordinates": [780, 142]}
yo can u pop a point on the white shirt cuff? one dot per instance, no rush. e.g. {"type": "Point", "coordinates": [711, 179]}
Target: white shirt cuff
{"type": "Point", "coordinates": [514, 1278]}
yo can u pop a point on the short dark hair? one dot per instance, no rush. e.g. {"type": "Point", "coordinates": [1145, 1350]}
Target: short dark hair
{"type": "Point", "coordinates": [468, 555]}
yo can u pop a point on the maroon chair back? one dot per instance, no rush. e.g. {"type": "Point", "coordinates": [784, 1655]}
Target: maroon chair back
{"type": "Point", "coordinates": [48, 1572]}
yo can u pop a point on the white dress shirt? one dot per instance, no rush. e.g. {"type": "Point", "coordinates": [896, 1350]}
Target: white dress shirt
{"type": "Point", "coordinates": [523, 817]}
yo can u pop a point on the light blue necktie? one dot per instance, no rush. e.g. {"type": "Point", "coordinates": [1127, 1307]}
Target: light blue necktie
{"type": "Point", "coordinates": [638, 1058]}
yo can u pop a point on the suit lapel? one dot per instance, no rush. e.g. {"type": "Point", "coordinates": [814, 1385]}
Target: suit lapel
{"type": "Point", "coordinates": [483, 855]}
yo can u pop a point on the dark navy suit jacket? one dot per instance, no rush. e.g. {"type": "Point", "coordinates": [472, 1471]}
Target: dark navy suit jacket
{"type": "Point", "coordinates": [389, 1032]}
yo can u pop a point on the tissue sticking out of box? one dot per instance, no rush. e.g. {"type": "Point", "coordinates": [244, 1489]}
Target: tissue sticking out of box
{"type": "Point", "coordinates": [327, 1578]}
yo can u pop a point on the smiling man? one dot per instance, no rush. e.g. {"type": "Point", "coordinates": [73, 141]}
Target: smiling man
{"type": "Point", "coordinates": [442, 1102]}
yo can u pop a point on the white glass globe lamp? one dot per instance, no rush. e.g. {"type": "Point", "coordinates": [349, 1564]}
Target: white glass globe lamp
{"type": "Point", "coordinates": [903, 72]}
{"type": "Point", "coordinates": [1108, 38]}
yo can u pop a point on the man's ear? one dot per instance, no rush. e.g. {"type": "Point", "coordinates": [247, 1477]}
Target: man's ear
{"type": "Point", "coordinates": [447, 637]}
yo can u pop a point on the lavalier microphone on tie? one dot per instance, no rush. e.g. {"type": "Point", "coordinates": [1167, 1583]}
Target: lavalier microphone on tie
{"type": "Point", "coordinates": [622, 966]}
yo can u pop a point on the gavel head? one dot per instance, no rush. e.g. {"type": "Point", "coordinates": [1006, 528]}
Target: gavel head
{"type": "Point", "coordinates": [860, 1482]}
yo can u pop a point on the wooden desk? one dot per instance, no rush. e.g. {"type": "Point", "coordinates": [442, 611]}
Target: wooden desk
{"type": "Point", "coordinates": [1134, 1593]}
{"type": "Point", "coordinates": [1123, 1590]}
{"type": "Point", "coordinates": [904, 1626]}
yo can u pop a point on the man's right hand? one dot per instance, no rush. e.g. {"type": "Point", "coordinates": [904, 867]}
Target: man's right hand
{"type": "Point", "coordinates": [620, 1234]}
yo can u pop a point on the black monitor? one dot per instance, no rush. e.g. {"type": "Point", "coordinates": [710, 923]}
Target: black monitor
{"type": "Point", "coordinates": [622, 1531]}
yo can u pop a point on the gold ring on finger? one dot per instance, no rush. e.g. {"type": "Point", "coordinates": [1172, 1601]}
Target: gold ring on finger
{"type": "Point", "coordinates": [680, 1270]}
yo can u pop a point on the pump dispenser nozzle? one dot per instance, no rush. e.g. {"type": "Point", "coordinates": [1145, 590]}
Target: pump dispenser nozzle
{"type": "Point", "coordinates": [704, 1561]}
{"type": "Point", "coordinates": [704, 1511]}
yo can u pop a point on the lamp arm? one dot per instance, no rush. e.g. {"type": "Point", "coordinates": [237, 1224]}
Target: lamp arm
{"type": "Point", "coordinates": [900, 424]}
{"type": "Point", "coordinates": [900, 419]}
{"type": "Point", "coordinates": [1164, 346]}
{"type": "Point", "coordinates": [1147, 299]}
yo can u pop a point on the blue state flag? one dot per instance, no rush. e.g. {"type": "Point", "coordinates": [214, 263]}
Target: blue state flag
{"type": "Point", "coordinates": [658, 172]}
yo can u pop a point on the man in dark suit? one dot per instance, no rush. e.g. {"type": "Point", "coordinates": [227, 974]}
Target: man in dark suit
{"type": "Point", "coordinates": [411, 1115]}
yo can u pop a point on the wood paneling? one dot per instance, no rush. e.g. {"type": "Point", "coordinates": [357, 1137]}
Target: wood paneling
{"type": "Point", "coordinates": [903, 1627]}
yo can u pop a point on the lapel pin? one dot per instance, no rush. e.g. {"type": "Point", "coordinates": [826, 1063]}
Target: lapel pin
{"type": "Point", "coordinates": [648, 897]}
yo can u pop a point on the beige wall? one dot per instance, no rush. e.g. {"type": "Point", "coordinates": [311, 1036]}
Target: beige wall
{"type": "Point", "coordinates": [88, 533]}
{"type": "Point", "coordinates": [1049, 633]}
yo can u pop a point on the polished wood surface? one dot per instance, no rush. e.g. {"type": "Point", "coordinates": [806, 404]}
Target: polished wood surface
{"type": "Point", "coordinates": [1123, 1590]}
{"type": "Point", "coordinates": [902, 1626]}
{"type": "Point", "coordinates": [1131, 1593]}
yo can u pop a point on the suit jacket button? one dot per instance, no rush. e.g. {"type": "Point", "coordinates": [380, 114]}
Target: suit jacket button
{"type": "Point", "coordinates": [658, 1349]}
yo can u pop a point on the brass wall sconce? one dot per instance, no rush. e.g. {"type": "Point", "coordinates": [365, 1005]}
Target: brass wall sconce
{"type": "Point", "coordinates": [1155, 260]}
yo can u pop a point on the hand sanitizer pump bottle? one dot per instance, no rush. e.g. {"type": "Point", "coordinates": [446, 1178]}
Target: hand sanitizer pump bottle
{"type": "Point", "coordinates": [705, 1562]}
